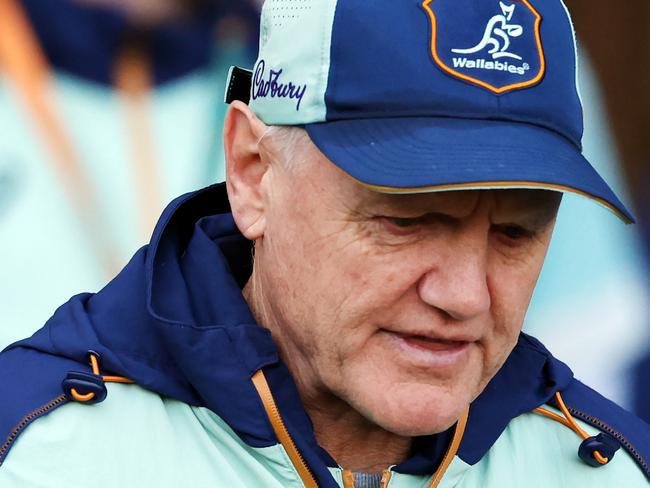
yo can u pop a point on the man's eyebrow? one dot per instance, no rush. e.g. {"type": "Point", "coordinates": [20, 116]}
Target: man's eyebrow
{"type": "Point", "coordinates": [418, 205]}
{"type": "Point", "coordinates": [530, 202]}
{"type": "Point", "coordinates": [540, 220]}
{"type": "Point", "coordinates": [534, 217]}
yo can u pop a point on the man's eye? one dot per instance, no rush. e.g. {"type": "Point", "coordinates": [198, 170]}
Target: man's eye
{"type": "Point", "coordinates": [400, 226]}
{"type": "Point", "coordinates": [402, 222]}
{"type": "Point", "coordinates": [514, 232]}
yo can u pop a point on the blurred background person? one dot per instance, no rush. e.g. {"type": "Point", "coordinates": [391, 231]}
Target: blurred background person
{"type": "Point", "coordinates": [621, 60]}
{"type": "Point", "coordinates": [597, 315]}
{"type": "Point", "coordinates": [108, 110]}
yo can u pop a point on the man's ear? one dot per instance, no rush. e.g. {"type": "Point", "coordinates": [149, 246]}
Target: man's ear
{"type": "Point", "coordinates": [245, 169]}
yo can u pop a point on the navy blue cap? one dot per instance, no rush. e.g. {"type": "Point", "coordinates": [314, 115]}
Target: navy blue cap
{"type": "Point", "coordinates": [431, 95]}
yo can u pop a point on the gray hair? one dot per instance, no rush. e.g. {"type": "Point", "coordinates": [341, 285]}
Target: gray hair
{"type": "Point", "coordinates": [288, 145]}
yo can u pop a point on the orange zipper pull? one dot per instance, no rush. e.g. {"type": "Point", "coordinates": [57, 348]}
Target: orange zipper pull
{"type": "Point", "coordinates": [385, 478]}
{"type": "Point", "coordinates": [348, 479]}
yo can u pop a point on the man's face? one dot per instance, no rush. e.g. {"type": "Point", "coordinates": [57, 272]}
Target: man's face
{"type": "Point", "coordinates": [402, 306]}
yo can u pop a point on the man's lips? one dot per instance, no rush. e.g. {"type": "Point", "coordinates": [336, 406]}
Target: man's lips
{"type": "Point", "coordinates": [432, 338]}
{"type": "Point", "coordinates": [431, 350]}
{"type": "Point", "coordinates": [432, 344]}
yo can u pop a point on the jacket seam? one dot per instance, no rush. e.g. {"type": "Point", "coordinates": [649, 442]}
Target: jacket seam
{"type": "Point", "coordinates": [26, 421]}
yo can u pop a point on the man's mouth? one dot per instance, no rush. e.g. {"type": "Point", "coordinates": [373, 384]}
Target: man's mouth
{"type": "Point", "coordinates": [432, 351]}
{"type": "Point", "coordinates": [432, 344]}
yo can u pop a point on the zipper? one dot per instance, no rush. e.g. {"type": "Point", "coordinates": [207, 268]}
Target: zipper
{"type": "Point", "coordinates": [348, 479]}
{"type": "Point", "coordinates": [617, 435]}
{"type": "Point", "coordinates": [276, 414]}
{"type": "Point", "coordinates": [298, 461]}
{"type": "Point", "coordinates": [26, 421]}
{"type": "Point", "coordinates": [281, 432]}
{"type": "Point", "coordinates": [385, 479]}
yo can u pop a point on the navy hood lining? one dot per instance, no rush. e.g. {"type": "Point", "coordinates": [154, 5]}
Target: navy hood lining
{"type": "Point", "coordinates": [182, 219]}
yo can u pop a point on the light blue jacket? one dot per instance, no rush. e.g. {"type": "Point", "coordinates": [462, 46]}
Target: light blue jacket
{"type": "Point", "coordinates": [213, 405]}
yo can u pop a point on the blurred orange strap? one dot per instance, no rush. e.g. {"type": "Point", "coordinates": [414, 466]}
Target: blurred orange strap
{"type": "Point", "coordinates": [26, 66]}
{"type": "Point", "coordinates": [133, 80]}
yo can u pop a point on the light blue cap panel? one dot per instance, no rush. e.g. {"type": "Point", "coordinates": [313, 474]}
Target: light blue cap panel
{"type": "Point", "coordinates": [291, 74]}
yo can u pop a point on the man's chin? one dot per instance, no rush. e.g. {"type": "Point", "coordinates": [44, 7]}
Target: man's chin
{"type": "Point", "coordinates": [424, 414]}
{"type": "Point", "coordinates": [407, 427]}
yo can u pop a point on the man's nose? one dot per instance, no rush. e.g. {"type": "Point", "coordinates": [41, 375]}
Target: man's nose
{"type": "Point", "coordinates": [457, 284]}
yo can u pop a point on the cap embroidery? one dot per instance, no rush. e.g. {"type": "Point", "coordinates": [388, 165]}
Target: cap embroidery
{"type": "Point", "coordinates": [497, 35]}
{"type": "Point", "coordinates": [272, 86]}
{"type": "Point", "coordinates": [501, 52]}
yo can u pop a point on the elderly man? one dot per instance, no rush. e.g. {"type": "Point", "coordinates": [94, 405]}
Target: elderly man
{"type": "Point", "coordinates": [397, 174]}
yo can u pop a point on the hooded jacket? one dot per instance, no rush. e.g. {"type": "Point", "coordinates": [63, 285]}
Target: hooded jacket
{"type": "Point", "coordinates": [213, 405]}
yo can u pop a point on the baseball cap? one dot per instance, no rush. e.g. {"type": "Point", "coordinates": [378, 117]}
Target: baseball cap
{"type": "Point", "coordinates": [411, 96]}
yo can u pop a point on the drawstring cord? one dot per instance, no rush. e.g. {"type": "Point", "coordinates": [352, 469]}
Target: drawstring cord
{"type": "Point", "coordinates": [570, 422]}
{"type": "Point", "coordinates": [94, 363]}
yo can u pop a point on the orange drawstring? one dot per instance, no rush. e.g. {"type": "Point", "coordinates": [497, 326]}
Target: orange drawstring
{"type": "Point", "coordinates": [570, 422]}
{"type": "Point", "coordinates": [94, 363]}
{"type": "Point", "coordinates": [82, 398]}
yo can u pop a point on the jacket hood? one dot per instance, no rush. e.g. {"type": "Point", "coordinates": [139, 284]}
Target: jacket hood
{"type": "Point", "coordinates": [174, 320]}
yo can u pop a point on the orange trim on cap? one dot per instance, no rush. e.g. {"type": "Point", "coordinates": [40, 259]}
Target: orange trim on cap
{"type": "Point", "coordinates": [479, 185]}
{"type": "Point", "coordinates": [492, 88]}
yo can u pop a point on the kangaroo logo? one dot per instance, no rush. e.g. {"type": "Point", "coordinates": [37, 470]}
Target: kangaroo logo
{"type": "Point", "coordinates": [508, 56]}
{"type": "Point", "coordinates": [497, 34]}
